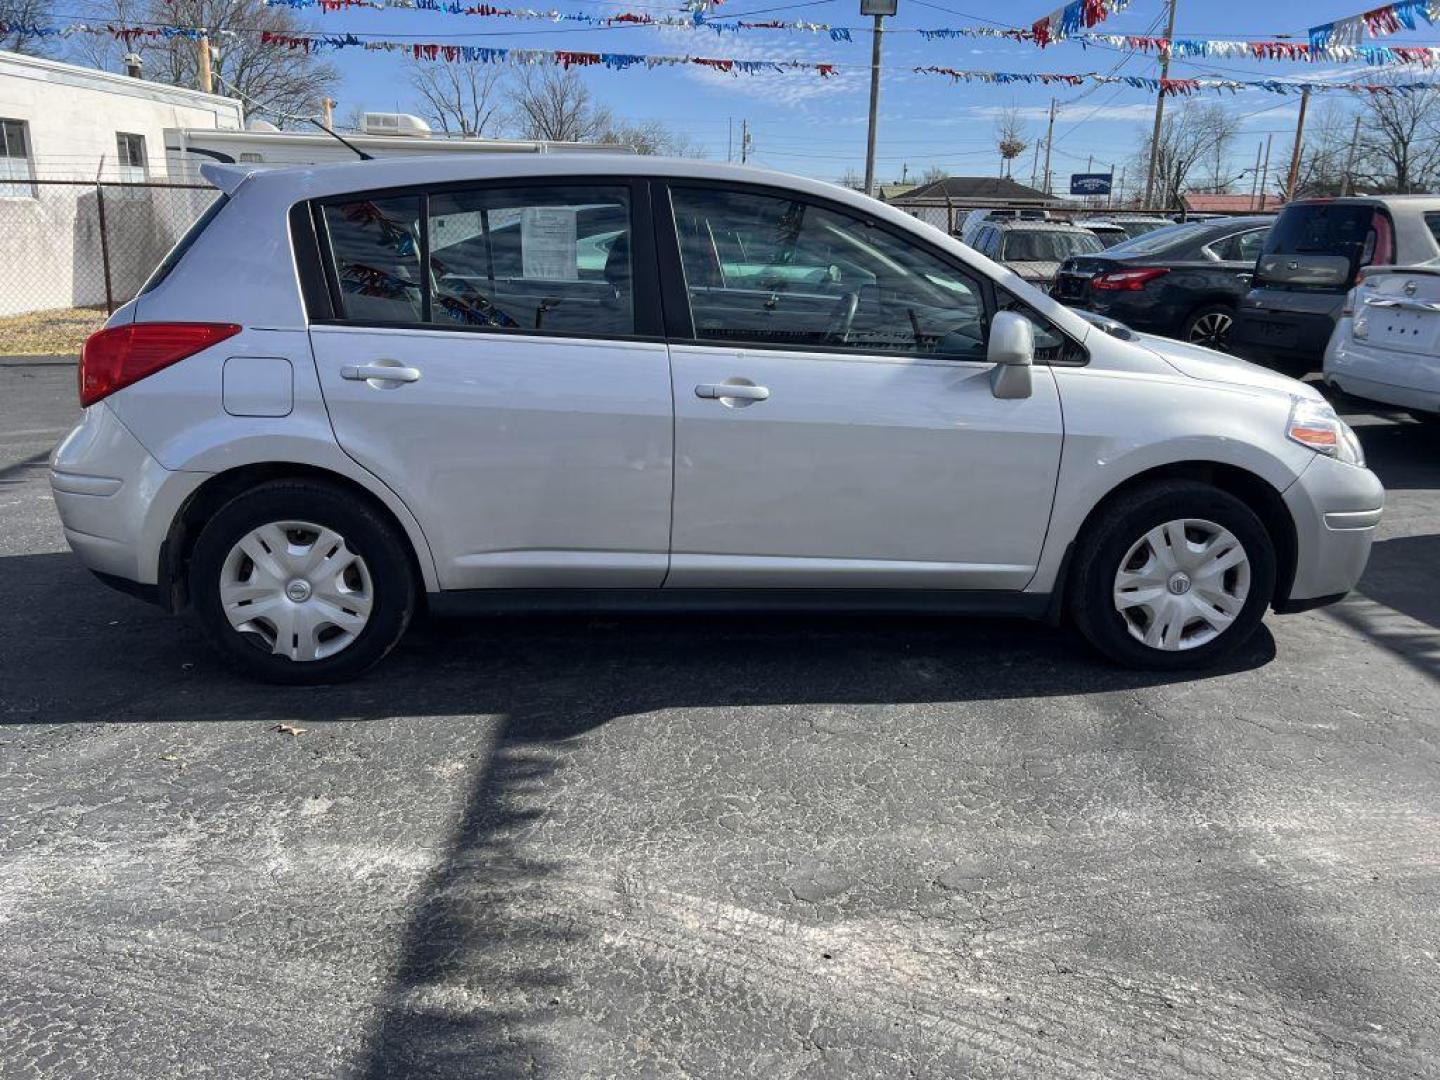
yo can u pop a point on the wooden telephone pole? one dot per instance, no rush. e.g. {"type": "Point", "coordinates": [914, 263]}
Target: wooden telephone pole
{"type": "Point", "coordinates": [203, 63]}
{"type": "Point", "coordinates": [1159, 108]}
{"type": "Point", "coordinates": [1299, 146]}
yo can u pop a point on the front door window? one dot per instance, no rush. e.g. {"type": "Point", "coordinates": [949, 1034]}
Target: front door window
{"type": "Point", "coordinates": [775, 270]}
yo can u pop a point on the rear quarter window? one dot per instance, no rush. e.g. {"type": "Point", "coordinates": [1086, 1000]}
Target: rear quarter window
{"type": "Point", "coordinates": [184, 244]}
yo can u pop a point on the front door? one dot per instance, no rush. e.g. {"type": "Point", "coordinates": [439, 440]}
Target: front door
{"type": "Point", "coordinates": [835, 425]}
{"type": "Point", "coordinates": [488, 369]}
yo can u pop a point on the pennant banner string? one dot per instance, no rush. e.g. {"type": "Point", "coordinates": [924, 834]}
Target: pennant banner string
{"type": "Point", "coordinates": [1069, 19]}
{"type": "Point", "coordinates": [1377, 22]}
{"type": "Point", "coordinates": [1180, 48]}
{"type": "Point", "coordinates": [694, 21]}
{"type": "Point", "coordinates": [453, 53]}
{"type": "Point", "coordinates": [1174, 87]}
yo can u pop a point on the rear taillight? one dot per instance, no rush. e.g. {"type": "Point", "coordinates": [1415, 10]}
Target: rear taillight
{"type": "Point", "coordinates": [113, 359]}
{"type": "Point", "coordinates": [1128, 280]}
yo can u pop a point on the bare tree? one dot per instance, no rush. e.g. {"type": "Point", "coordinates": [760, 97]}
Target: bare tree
{"type": "Point", "coordinates": [647, 137]}
{"type": "Point", "coordinates": [851, 179]}
{"type": "Point", "coordinates": [460, 99]}
{"type": "Point", "coordinates": [1190, 136]}
{"type": "Point", "coordinates": [1400, 142]}
{"type": "Point", "coordinates": [1010, 138]}
{"type": "Point", "coordinates": [22, 18]}
{"type": "Point", "coordinates": [933, 173]}
{"type": "Point", "coordinates": [276, 83]}
{"type": "Point", "coordinates": [554, 105]}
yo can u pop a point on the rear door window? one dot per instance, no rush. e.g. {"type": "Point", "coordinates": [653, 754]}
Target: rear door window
{"type": "Point", "coordinates": [375, 251]}
{"type": "Point", "coordinates": [550, 259]}
{"type": "Point", "coordinates": [1359, 233]}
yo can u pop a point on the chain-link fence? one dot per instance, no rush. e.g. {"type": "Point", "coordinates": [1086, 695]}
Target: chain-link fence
{"type": "Point", "coordinates": [75, 246]}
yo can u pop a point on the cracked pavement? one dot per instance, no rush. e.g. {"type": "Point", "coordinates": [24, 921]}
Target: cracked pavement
{"type": "Point", "coordinates": [717, 847]}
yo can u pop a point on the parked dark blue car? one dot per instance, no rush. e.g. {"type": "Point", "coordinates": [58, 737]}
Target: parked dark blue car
{"type": "Point", "coordinates": [1182, 282]}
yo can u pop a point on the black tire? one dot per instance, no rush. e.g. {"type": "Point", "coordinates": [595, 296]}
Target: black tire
{"type": "Point", "coordinates": [1120, 524]}
{"type": "Point", "coordinates": [367, 533]}
{"type": "Point", "coordinates": [1204, 326]}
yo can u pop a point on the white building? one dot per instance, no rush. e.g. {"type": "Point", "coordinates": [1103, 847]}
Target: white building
{"type": "Point", "coordinates": [60, 122]}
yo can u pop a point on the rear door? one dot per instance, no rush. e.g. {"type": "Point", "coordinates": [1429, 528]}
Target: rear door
{"type": "Point", "coordinates": [497, 359]}
{"type": "Point", "coordinates": [1236, 255]}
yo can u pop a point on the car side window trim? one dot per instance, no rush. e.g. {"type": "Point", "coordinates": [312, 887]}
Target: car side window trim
{"type": "Point", "coordinates": [679, 323]}
{"type": "Point", "coordinates": [645, 278]}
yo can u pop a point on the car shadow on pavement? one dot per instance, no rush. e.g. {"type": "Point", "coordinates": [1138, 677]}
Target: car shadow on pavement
{"type": "Point", "coordinates": [457, 1003]}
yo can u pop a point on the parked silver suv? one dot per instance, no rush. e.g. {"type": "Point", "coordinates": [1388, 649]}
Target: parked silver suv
{"type": "Point", "coordinates": [518, 382]}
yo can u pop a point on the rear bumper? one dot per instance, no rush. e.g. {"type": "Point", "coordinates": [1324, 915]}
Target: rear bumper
{"type": "Point", "coordinates": [1284, 336]}
{"type": "Point", "coordinates": [1336, 508]}
{"type": "Point", "coordinates": [115, 501]}
{"type": "Point", "coordinates": [1405, 380]}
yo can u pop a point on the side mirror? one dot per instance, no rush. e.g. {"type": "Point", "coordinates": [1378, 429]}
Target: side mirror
{"type": "Point", "coordinates": [1012, 351]}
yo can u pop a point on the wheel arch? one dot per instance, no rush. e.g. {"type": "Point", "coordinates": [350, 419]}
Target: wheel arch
{"type": "Point", "coordinates": [222, 487]}
{"type": "Point", "coordinates": [1209, 300]}
{"type": "Point", "coordinates": [1253, 490]}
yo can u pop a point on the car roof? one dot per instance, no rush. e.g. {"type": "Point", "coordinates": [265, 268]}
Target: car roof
{"type": "Point", "coordinates": [1031, 225]}
{"type": "Point", "coordinates": [339, 178]}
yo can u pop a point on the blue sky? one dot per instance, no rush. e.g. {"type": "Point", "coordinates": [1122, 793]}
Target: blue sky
{"type": "Point", "coordinates": [816, 127]}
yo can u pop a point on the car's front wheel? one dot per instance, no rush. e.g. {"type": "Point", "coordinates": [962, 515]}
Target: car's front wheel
{"type": "Point", "coordinates": [1174, 575]}
{"type": "Point", "coordinates": [298, 582]}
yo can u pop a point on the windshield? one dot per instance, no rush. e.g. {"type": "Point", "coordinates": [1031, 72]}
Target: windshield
{"type": "Point", "coordinates": [1049, 246]}
{"type": "Point", "coordinates": [1160, 239]}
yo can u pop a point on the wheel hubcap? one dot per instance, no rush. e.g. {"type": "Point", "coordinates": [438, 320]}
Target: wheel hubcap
{"type": "Point", "coordinates": [1182, 584]}
{"type": "Point", "coordinates": [294, 589]}
{"type": "Point", "coordinates": [1211, 330]}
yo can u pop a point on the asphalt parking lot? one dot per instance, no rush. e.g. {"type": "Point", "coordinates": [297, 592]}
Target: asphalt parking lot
{"type": "Point", "coordinates": [717, 847]}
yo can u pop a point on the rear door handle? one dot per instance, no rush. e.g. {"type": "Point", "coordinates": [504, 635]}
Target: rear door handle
{"type": "Point", "coordinates": [388, 372]}
{"type": "Point", "coordinates": [735, 391]}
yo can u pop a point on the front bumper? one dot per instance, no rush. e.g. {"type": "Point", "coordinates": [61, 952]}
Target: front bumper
{"type": "Point", "coordinates": [115, 501]}
{"type": "Point", "coordinates": [1336, 508]}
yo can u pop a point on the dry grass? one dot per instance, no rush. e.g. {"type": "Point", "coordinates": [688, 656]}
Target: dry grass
{"type": "Point", "coordinates": [59, 332]}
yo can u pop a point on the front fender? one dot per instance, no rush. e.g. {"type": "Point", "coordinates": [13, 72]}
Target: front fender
{"type": "Point", "coordinates": [1120, 425]}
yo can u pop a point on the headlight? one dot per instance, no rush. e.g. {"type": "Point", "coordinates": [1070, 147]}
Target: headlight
{"type": "Point", "coordinates": [1314, 424]}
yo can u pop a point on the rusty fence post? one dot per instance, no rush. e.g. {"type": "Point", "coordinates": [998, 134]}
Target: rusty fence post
{"type": "Point", "coordinates": [104, 249]}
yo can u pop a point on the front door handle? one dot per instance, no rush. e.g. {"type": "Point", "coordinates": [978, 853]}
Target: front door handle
{"type": "Point", "coordinates": [385, 371]}
{"type": "Point", "coordinates": [733, 391]}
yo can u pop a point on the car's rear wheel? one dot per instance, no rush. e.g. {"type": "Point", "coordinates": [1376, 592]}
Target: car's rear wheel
{"type": "Point", "coordinates": [1174, 575]}
{"type": "Point", "coordinates": [298, 582]}
{"type": "Point", "coordinates": [1210, 326]}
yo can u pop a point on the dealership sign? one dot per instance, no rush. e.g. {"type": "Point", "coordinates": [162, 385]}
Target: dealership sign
{"type": "Point", "coordinates": [1090, 183]}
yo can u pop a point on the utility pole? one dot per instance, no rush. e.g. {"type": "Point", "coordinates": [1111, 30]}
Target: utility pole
{"type": "Point", "coordinates": [730, 140]}
{"type": "Point", "coordinates": [203, 61]}
{"type": "Point", "coordinates": [1347, 183]}
{"type": "Point", "coordinates": [1035, 165]}
{"type": "Point", "coordinates": [1299, 146]}
{"type": "Point", "coordinates": [1255, 177]}
{"type": "Point", "coordinates": [1160, 106]}
{"type": "Point", "coordinates": [1049, 138]}
{"type": "Point", "coordinates": [744, 141]}
{"type": "Point", "coordinates": [1265, 169]}
{"type": "Point", "coordinates": [879, 9]}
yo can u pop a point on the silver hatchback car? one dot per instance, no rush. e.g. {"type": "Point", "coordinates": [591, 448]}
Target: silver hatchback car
{"type": "Point", "coordinates": [510, 383]}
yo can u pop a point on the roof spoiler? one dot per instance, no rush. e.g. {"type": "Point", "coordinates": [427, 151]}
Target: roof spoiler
{"type": "Point", "coordinates": [227, 177]}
